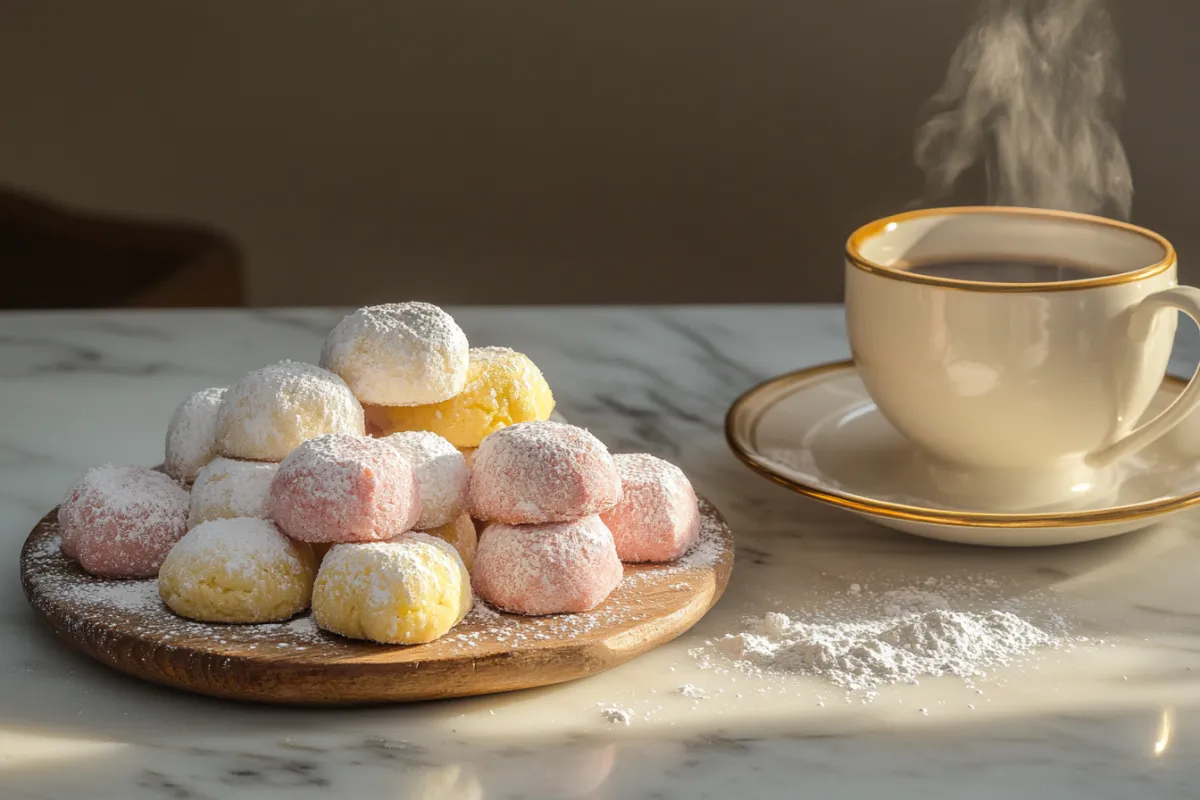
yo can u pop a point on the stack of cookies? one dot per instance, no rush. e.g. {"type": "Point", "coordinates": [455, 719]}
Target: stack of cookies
{"type": "Point", "coordinates": [356, 487]}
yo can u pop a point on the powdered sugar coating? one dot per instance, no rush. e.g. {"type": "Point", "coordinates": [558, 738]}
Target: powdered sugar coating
{"type": "Point", "coordinates": [658, 516]}
{"type": "Point", "coordinates": [555, 568]}
{"type": "Point", "coordinates": [461, 534]}
{"type": "Point", "coordinates": [120, 521]}
{"type": "Point", "coordinates": [410, 590]}
{"type": "Point", "coordinates": [340, 488]}
{"type": "Point", "coordinates": [228, 488]}
{"type": "Point", "coordinates": [441, 472]}
{"type": "Point", "coordinates": [237, 570]}
{"type": "Point", "coordinates": [536, 472]}
{"type": "Point", "coordinates": [399, 354]}
{"type": "Point", "coordinates": [269, 412]}
{"type": "Point", "coordinates": [192, 433]}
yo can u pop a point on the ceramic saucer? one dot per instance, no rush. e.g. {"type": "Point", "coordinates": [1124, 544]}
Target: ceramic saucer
{"type": "Point", "coordinates": [817, 432]}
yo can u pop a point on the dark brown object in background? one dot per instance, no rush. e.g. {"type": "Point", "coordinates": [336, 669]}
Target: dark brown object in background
{"type": "Point", "coordinates": [59, 257]}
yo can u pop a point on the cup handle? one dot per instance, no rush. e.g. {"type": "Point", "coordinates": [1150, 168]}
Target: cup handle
{"type": "Point", "coordinates": [1181, 298]}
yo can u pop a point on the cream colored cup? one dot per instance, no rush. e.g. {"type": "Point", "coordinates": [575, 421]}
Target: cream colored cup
{"type": "Point", "coordinates": [1019, 396]}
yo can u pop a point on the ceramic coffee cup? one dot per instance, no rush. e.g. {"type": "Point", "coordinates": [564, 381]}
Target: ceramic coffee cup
{"type": "Point", "coordinates": [1016, 348]}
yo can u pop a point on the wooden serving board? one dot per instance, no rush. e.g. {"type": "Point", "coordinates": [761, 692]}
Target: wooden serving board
{"type": "Point", "coordinates": [123, 624]}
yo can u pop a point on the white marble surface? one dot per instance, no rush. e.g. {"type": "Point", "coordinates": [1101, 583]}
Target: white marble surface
{"type": "Point", "coordinates": [1118, 720]}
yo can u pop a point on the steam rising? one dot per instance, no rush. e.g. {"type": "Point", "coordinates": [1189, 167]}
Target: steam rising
{"type": "Point", "coordinates": [1032, 91]}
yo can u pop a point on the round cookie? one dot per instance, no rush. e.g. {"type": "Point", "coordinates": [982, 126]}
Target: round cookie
{"type": "Point", "coordinates": [270, 411]}
{"type": "Point", "coordinates": [503, 388]}
{"type": "Point", "coordinates": [340, 488]}
{"type": "Point", "coordinates": [556, 568]}
{"type": "Point", "coordinates": [537, 472]}
{"type": "Point", "coordinates": [398, 354]}
{"type": "Point", "coordinates": [410, 590]}
{"type": "Point", "coordinates": [441, 472]}
{"type": "Point", "coordinates": [120, 521]}
{"type": "Point", "coordinates": [227, 488]}
{"type": "Point", "coordinates": [658, 517]}
{"type": "Point", "coordinates": [192, 434]}
{"type": "Point", "coordinates": [461, 534]}
{"type": "Point", "coordinates": [237, 570]}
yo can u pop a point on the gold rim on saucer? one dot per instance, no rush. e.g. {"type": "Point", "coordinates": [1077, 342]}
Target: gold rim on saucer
{"type": "Point", "coordinates": [795, 381]}
{"type": "Point", "coordinates": [854, 251]}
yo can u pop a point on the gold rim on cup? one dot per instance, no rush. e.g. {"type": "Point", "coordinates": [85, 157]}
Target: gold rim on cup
{"type": "Point", "coordinates": [854, 250]}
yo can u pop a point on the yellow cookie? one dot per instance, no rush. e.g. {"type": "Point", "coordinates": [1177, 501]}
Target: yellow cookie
{"type": "Point", "coordinates": [503, 387]}
{"type": "Point", "coordinates": [409, 590]}
{"type": "Point", "coordinates": [237, 570]}
{"type": "Point", "coordinates": [460, 533]}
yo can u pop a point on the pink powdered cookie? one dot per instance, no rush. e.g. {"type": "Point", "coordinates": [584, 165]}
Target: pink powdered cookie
{"type": "Point", "coordinates": [343, 488]}
{"type": "Point", "coordinates": [536, 472]}
{"type": "Point", "coordinates": [556, 568]}
{"type": "Point", "coordinates": [121, 521]}
{"type": "Point", "coordinates": [657, 518]}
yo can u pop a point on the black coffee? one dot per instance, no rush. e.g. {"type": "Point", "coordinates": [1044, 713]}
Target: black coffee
{"type": "Point", "coordinates": [998, 271]}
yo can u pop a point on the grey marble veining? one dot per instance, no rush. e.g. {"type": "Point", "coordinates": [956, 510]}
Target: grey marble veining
{"type": "Point", "coordinates": [1113, 720]}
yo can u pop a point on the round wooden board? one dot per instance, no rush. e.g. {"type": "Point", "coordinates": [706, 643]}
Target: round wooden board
{"type": "Point", "coordinates": [123, 624]}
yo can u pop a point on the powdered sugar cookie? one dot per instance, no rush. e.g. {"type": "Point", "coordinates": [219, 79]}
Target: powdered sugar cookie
{"type": "Point", "coordinates": [538, 472]}
{"type": "Point", "coordinates": [441, 472]}
{"type": "Point", "coordinates": [266, 414]}
{"type": "Point", "coordinates": [399, 354]}
{"type": "Point", "coordinates": [407, 591]}
{"type": "Point", "coordinates": [658, 517]}
{"type": "Point", "coordinates": [120, 521]}
{"type": "Point", "coordinates": [192, 434]}
{"type": "Point", "coordinates": [555, 568]}
{"type": "Point", "coordinates": [227, 488]}
{"type": "Point", "coordinates": [339, 488]}
{"type": "Point", "coordinates": [237, 570]}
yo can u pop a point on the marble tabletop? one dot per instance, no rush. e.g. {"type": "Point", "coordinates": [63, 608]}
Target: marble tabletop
{"type": "Point", "coordinates": [1114, 720]}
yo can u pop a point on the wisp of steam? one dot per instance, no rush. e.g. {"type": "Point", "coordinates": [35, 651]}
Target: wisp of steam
{"type": "Point", "coordinates": [1032, 93]}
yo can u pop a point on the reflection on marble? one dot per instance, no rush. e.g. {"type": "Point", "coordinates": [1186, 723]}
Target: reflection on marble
{"type": "Point", "coordinates": [1117, 719]}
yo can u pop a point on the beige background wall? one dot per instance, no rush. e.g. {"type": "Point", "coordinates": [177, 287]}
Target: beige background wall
{"type": "Point", "coordinates": [651, 150]}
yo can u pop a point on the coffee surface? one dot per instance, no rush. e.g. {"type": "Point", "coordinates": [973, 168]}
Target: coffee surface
{"type": "Point", "coordinates": [1007, 271]}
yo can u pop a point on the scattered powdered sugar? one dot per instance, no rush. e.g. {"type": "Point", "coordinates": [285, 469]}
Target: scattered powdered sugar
{"type": "Point", "coordinates": [192, 433]}
{"type": "Point", "coordinates": [688, 690]}
{"type": "Point", "coordinates": [441, 473]}
{"type": "Point", "coordinates": [895, 636]}
{"type": "Point", "coordinates": [617, 716]}
{"type": "Point", "coordinates": [121, 595]}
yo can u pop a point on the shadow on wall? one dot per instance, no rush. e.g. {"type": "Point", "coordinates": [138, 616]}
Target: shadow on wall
{"type": "Point", "coordinates": [620, 151]}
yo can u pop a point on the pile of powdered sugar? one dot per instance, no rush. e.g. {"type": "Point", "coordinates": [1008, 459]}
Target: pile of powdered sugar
{"type": "Point", "coordinates": [866, 639]}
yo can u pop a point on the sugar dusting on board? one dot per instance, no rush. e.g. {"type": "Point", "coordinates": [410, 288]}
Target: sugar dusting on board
{"type": "Point", "coordinates": [57, 583]}
{"type": "Point", "coordinates": [865, 639]}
